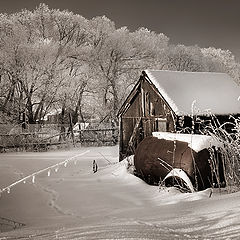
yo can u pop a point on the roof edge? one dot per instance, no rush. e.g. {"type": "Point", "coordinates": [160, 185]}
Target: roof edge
{"type": "Point", "coordinates": [163, 94]}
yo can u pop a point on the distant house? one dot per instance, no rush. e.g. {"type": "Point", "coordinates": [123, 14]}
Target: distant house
{"type": "Point", "coordinates": [53, 116]}
{"type": "Point", "coordinates": [169, 101]}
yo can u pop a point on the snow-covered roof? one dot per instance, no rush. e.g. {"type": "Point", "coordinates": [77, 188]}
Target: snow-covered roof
{"type": "Point", "coordinates": [195, 141]}
{"type": "Point", "coordinates": [197, 93]}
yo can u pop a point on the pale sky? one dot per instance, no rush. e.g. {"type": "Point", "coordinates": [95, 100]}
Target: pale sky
{"type": "Point", "coordinates": [189, 22]}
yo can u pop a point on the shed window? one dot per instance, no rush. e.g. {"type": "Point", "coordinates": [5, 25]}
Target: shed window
{"type": "Point", "coordinates": [160, 125]}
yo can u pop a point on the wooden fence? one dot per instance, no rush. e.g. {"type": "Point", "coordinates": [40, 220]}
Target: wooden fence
{"type": "Point", "coordinates": [100, 136]}
{"type": "Point", "coordinates": [42, 138]}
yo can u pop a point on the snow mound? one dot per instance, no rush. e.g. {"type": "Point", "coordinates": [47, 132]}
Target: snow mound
{"type": "Point", "coordinates": [122, 171]}
{"type": "Point", "coordinates": [158, 196]}
{"type": "Point", "coordinates": [195, 141]}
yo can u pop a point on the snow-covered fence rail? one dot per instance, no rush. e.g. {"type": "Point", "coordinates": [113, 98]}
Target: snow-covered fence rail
{"type": "Point", "coordinates": [100, 136]}
{"type": "Point", "coordinates": [47, 169]}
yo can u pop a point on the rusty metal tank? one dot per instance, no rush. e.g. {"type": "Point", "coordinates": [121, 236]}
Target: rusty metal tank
{"type": "Point", "coordinates": [155, 158]}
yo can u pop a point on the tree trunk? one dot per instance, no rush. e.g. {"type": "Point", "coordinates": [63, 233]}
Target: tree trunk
{"type": "Point", "coordinates": [62, 128]}
{"type": "Point", "coordinates": [115, 101]}
{"type": "Point", "coordinates": [78, 109]}
{"type": "Point", "coordinates": [30, 115]}
{"type": "Point", "coordinates": [71, 128]}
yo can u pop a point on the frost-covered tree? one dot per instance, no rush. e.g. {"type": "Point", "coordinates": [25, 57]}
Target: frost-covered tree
{"type": "Point", "coordinates": [220, 60]}
{"type": "Point", "coordinates": [182, 58]}
{"type": "Point", "coordinates": [147, 47]}
{"type": "Point", "coordinates": [38, 49]}
{"type": "Point", "coordinates": [118, 56]}
{"type": "Point", "coordinates": [12, 43]}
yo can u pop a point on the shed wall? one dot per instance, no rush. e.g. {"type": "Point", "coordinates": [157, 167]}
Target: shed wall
{"type": "Point", "coordinates": [144, 113]}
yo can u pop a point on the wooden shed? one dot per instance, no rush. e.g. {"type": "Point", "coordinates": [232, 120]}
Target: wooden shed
{"type": "Point", "coordinates": [168, 101]}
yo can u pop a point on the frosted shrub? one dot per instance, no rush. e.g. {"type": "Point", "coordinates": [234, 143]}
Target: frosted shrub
{"type": "Point", "coordinates": [229, 149]}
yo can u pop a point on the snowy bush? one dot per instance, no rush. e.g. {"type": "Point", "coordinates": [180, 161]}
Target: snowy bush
{"type": "Point", "coordinates": [228, 149]}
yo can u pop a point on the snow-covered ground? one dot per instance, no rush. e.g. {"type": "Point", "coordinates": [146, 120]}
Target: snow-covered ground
{"type": "Point", "coordinates": [75, 203]}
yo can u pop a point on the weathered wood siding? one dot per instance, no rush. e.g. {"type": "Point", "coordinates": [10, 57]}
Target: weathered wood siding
{"type": "Point", "coordinates": [146, 111]}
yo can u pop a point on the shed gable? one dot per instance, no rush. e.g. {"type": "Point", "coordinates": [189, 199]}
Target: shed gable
{"type": "Point", "coordinates": [143, 112]}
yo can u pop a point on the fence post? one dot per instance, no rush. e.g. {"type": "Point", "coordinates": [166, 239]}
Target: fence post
{"type": "Point", "coordinates": [114, 135]}
{"type": "Point", "coordinates": [71, 128]}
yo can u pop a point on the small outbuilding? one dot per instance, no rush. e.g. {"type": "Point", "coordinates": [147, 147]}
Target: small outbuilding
{"type": "Point", "coordinates": [171, 101]}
